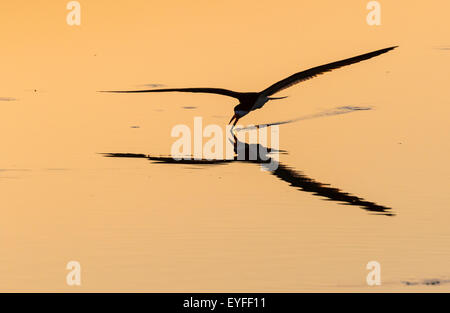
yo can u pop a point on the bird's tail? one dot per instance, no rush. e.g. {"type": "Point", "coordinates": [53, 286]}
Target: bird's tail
{"type": "Point", "coordinates": [276, 98]}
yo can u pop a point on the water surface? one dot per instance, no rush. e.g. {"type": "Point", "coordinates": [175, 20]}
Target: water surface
{"type": "Point", "coordinates": [140, 224]}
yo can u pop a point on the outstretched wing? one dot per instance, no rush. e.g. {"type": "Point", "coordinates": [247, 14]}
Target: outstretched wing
{"type": "Point", "coordinates": [315, 71]}
{"type": "Point", "coordinates": [218, 91]}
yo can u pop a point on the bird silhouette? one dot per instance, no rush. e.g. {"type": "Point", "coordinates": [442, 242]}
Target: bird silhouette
{"type": "Point", "coordinates": [250, 101]}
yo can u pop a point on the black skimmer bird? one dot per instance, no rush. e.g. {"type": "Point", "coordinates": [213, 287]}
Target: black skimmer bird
{"type": "Point", "coordinates": [250, 101]}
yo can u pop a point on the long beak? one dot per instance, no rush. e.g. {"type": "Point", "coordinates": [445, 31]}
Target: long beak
{"type": "Point", "coordinates": [234, 117]}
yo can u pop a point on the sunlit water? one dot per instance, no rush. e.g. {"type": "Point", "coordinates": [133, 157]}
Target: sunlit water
{"type": "Point", "coordinates": [140, 224]}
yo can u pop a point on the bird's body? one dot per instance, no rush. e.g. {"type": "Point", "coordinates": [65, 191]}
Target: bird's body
{"type": "Point", "coordinates": [250, 101]}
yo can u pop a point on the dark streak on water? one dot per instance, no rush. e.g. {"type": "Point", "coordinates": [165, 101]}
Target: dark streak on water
{"type": "Point", "coordinates": [427, 282]}
{"type": "Point", "coordinates": [14, 170]}
{"type": "Point", "coordinates": [152, 85]}
{"type": "Point", "coordinates": [444, 48]}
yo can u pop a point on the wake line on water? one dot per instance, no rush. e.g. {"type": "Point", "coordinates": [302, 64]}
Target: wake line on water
{"type": "Point", "coordinates": [329, 112]}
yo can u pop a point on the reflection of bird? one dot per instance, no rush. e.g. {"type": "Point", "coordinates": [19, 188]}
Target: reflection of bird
{"type": "Point", "coordinates": [295, 178]}
{"type": "Point", "coordinates": [249, 101]}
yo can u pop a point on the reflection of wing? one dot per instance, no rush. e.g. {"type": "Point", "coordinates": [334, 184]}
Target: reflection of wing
{"type": "Point", "coordinates": [296, 179]}
{"type": "Point", "coordinates": [218, 91]}
{"type": "Point", "coordinates": [315, 71]}
{"type": "Point", "coordinates": [170, 160]}
{"type": "Point", "coordinates": [166, 159]}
